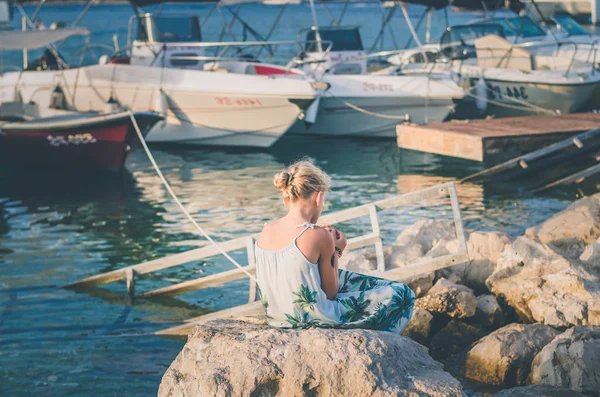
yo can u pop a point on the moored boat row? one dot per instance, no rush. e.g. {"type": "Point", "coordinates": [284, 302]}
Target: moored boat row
{"type": "Point", "coordinates": [205, 96]}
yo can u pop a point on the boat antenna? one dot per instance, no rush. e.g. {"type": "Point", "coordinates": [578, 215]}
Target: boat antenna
{"type": "Point", "coordinates": [316, 25]}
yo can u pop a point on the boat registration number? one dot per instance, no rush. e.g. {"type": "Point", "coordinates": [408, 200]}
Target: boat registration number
{"type": "Point", "coordinates": [497, 92]}
{"type": "Point", "coordinates": [377, 87]}
{"type": "Point", "coordinates": [75, 139]}
{"type": "Point", "coordinates": [228, 101]}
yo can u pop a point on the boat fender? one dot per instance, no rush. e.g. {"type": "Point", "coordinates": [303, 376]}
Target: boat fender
{"type": "Point", "coordinates": [112, 105]}
{"type": "Point", "coordinates": [481, 93]}
{"type": "Point", "coordinates": [57, 99]}
{"type": "Point", "coordinates": [161, 105]}
{"type": "Point", "coordinates": [310, 114]}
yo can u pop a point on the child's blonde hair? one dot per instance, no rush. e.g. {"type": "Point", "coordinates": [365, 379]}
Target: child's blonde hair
{"type": "Point", "coordinates": [301, 179]}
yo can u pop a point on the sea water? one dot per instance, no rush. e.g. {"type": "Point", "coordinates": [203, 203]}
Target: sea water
{"type": "Point", "coordinates": [57, 227]}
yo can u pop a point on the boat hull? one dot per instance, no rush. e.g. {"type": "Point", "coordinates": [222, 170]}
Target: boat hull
{"type": "Point", "coordinates": [205, 108]}
{"type": "Point", "coordinates": [97, 142]}
{"type": "Point", "coordinates": [372, 106]}
{"type": "Point", "coordinates": [540, 98]}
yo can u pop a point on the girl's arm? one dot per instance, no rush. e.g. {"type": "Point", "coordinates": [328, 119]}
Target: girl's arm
{"type": "Point", "coordinates": [328, 267]}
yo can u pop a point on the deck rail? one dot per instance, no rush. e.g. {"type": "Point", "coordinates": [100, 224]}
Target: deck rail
{"type": "Point", "coordinates": [373, 237]}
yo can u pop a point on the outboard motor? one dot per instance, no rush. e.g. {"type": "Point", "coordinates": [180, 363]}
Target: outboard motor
{"type": "Point", "coordinates": [57, 99]}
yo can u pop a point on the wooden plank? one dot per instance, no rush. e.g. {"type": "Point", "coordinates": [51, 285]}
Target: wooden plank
{"type": "Point", "coordinates": [378, 243]}
{"type": "Point", "coordinates": [458, 225]}
{"type": "Point", "coordinates": [446, 143]}
{"type": "Point", "coordinates": [161, 263]}
{"type": "Point", "coordinates": [200, 283]}
{"type": "Point", "coordinates": [251, 263]}
{"type": "Point", "coordinates": [250, 310]}
{"type": "Point", "coordinates": [521, 161]}
{"type": "Point", "coordinates": [574, 178]}
{"type": "Point", "coordinates": [424, 266]}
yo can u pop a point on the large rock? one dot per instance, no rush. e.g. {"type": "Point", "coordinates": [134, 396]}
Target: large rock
{"type": "Point", "coordinates": [449, 298]}
{"type": "Point", "coordinates": [484, 250]}
{"type": "Point", "coordinates": [426, 234]}
{"type": "Point", "coordinates": [591, 255]}
{"type": "Point", "coordinates": [233, 358]}
{"type": "Point", "coordinates": [504, 357]}
{"type": "Point", "coordinates": [453, 338]}
{"type": "Point", "coordinates": [488, 312]}
{"type": "Point", "coordinates": [538, 391]}
{"type": "Point", "coordinates": [573, 228]}
{"type": "Point", "coordinates": [419, 326]}
{"type": "Point", "coordinates": [543, 286]}
{"type": "Point", "coordinates": [571, 360]}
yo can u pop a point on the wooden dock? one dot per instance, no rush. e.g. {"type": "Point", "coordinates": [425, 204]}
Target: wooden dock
{"type": "Point", "coordinates": [478, 139]}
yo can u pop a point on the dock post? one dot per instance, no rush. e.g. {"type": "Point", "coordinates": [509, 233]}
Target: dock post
{"type": "Point", "coordinates": [378, 243]}
{"type": "Point", "coordinates": [130, 284]}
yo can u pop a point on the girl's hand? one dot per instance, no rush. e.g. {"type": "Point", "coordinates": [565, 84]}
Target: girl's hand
{"type": "Point", "coordinates": [340, 239]}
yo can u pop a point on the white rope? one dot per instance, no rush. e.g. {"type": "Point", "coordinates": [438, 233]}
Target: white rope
{"type": "Point", "coordinates": [365, 111]}
{"type": "Point", "coordinates": [174, 196]}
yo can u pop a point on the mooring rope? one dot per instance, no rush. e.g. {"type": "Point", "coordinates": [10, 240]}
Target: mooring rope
{"type": "Point", "coordinates": [174, 196]}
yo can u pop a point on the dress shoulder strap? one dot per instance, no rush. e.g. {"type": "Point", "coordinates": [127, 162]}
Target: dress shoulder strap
{"type": "Point", "coordinates": [306, 226]}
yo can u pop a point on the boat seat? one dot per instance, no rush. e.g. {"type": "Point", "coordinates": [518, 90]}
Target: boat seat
{"type": "Point", "coordinates": [495, 52]}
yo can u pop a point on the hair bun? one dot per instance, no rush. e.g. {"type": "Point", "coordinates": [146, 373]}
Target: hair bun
{"type": "Point", "coordinates": [282, 180]}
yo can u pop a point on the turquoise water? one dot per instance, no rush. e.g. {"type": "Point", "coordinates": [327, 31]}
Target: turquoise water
{"type": "Point", "coordinates": [57, 228]}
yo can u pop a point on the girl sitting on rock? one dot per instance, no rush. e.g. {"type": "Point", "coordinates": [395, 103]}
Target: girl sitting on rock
{"type": "Point", "coordinates": [297, 267]}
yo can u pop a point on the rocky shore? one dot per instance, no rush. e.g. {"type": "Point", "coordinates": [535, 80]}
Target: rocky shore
{"type": "Point", "coordinates": [523, 316]}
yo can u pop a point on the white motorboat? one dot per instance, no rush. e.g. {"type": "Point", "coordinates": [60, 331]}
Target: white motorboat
{"type": "Point", "coordinates": [539, 76]}
{"type": "Point", "coordinates": [207, 107]}
{"type": "Point", "coordinates": [358, 103]}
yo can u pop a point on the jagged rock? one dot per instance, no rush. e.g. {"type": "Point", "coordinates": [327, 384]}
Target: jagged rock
{"type": "Point", "coordinates": [233, 358]}
{"type": "Point", "coordinates": [591, 255]}
{"type": "Point", "coordinates": [449, 298]}
{"type": "Point", "coordinates": [419, 326]}
{"type": "Point", "coordinates": [504, 357]}
{"type": "Point", "coordinates": [543, 286]}
{"type": "Point", "coordinates": [571, 229]}
{"type": "Point", "coordinates": [488, 312]}
{"type": "Point", "coordinates": [361, 261]}
{"type": "Point", "coordinates": [453, 338]}
{"type": "Point", "coordinates": [426, 234]}
{"type": "Point", "coordinates": [538, 391]}
{"type": "Point", "coordinates": [484, 250]}
{"type": "Point", "coordinates": [571, 360]}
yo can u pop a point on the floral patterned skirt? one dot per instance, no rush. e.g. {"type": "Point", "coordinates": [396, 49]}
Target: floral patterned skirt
{"type": "Point", "coordinates": [374, 303]}
{"type": "Point", "coordinates": [362, 302]}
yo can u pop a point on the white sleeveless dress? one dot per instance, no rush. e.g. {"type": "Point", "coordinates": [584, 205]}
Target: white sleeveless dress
{"type": "Point", "coordinates": [291, 293]}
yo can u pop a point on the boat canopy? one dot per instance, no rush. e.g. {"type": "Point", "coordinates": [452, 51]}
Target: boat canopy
{"type": "Point", "coordinates": [468, 4]}
{"type": "Point", "coordinates": [17, 40]}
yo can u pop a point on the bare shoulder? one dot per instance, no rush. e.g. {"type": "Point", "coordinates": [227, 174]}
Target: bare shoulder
{"type": "Point", "coordinates": [319, 237]}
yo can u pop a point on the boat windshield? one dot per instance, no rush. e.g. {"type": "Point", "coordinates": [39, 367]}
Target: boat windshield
{"type": "Point", "coordinates": [457, 42]}
{"type": "Point", "coordinates": [526, 27]}
{"type": "Point", "coordinates": [518, 26]}
{"type": "Point", "coordinates": [565, 23]}
{"type": "Point", "coordinates": [169, 29]}
{"type": "Point", "coordinates": [341, 39]}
